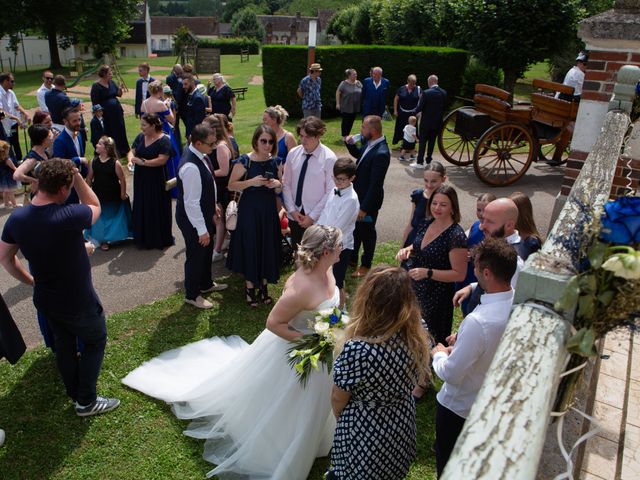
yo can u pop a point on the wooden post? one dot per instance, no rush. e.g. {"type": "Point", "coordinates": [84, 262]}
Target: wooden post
{"type": "Point", "coordinates": [313, 30]}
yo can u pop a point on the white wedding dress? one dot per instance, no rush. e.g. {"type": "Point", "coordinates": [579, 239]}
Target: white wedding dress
{"type": "Point", "coordinates": [246, 402]}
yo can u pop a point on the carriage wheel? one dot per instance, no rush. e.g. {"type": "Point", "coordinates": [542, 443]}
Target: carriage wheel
{"type": "Point", "coordinates": [503, 154]}
{"type": "Point", "coordinates": [546, 151]}
{"type": "Point", "coordinates": [455, 148]}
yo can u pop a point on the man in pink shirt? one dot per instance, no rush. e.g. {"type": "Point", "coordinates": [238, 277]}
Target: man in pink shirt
{"type": "Point", "coordinates": [308, 177]}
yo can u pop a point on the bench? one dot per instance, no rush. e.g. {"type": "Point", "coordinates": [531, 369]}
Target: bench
{"type": "Point", "coordinates": [244, 55]}
{"type": "Point", "coordinates": [239, 92]}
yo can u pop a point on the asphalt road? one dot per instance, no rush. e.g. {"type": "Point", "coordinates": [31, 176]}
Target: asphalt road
{"type": "Point", "coordinates": [125, 277]}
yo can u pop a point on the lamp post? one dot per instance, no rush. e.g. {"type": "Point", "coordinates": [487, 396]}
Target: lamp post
{"type": "Point", "coordinates": [313, 30]}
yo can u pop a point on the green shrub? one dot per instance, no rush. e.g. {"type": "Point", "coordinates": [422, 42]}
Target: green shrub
{"type": "Point", "coordinates": [478, 72]}
{"type": "Point", "coordinates": [233, 45]}
{"type": "Point", "coordinates": [284, 66]}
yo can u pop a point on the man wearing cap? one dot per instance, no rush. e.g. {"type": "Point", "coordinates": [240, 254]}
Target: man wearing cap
{"type": "Point", "coordinates": [97, 124]}
{"type": "Point", "coordinates": [575, 78]}
{"type": "Point", "coordinates": [47, 84]}
{"type": "Point", "coordinates": [309, 91]}
{"type": "Point", "coordinates": [57, 101]}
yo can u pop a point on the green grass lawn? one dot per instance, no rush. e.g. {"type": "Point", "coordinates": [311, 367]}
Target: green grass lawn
{"type": "Point", "coordinates": [142, 439]}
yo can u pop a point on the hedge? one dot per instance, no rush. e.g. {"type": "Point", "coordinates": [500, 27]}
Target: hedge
{"type": "Point", "coordinates": [230, 46]}
{"type": "Point", "coordinates": [284, 66]}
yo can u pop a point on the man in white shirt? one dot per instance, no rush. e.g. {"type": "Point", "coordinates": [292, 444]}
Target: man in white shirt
{"type": "Point", "coordinates": [575, 78]}
{"type": "Point", "coordinates": [341, 211]}
{"type": "Point", "coordinates": [195, 211]}
{"type": "Point", "coordinates": [47, 84]}
{"type": "Point", "coordinates": [464, 364]}
{"type": "Point", "coordinates": [12, 112]}
{"type": "Point", "coordinates": [307, 180]}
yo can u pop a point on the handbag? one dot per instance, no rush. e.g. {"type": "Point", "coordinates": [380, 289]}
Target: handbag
{"type": "Point", "coordinates": [231, 213]}
{"type": "Point", "coordinates": [170, 184]}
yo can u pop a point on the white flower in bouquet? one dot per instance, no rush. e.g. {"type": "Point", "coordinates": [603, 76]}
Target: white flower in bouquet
{"type": "Point", "coordinates": [624, 265]}
{"type": "Point", "coordinates": [321, 327]}
{"type": "Point", "coordinates": [325, 312]}
{"type": "Point", "coordinates": [345, 319]}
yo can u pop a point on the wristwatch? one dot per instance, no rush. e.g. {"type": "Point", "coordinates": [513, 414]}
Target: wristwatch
{"type": "Point", "coordinates": [429, 273]}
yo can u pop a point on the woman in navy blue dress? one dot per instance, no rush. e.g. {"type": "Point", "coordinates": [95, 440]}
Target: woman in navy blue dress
{"type": "Point", "coordinates": [255, 244]}
{"type": "Point", "coordinates": [405, 101]}
{"type": "Point", "coordinates": [105, 93]}
{"type": "Point", "coordinates": [221, 96]}
{"type": "Point", "coordinates": [149, 153]}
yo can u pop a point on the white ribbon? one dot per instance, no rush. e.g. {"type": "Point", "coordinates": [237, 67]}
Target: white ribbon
{"type": "Point", "coordinates": [568, 474]}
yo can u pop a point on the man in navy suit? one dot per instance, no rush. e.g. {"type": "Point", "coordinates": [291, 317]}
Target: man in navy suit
{"type": "Point", "coordinates": [372, 160]}
{"type": "Point", "coordinates": [195, 212]}
{"type": "Point", "coordinates": [374, 93]}
{"type": "Point", "coordinates": [69, 145]}
{"type": "Point", "coordinates": [142, 86]}
{"type": "Point", "coordinates": [57, 101]}
{"type": "Point", "coordinates": [431, 105]}
{"type": "Point", "coordinates": [195, 105]}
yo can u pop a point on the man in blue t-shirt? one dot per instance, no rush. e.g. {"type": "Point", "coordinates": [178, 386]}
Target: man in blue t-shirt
{"type": "Point", "coordinates": [309, 91]}
{"type": "Point", "coordinates": [49, 234]}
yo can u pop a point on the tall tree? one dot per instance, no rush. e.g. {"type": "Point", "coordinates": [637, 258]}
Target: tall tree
{"type": "Point", "coordinates": [510, 34]}
{"type": "Point", "coordinates": [245, 23]}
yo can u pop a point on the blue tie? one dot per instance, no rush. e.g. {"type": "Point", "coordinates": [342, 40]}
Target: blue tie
{"type": "Point", "coordinates": [303, 172]}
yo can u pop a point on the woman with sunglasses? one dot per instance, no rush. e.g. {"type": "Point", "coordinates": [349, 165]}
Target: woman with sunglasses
{"type": "Point", "coordinates": [255, 244]}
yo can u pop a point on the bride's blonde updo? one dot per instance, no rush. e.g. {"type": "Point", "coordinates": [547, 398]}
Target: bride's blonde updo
{"type": "Point", "coordinates": [316, 239]}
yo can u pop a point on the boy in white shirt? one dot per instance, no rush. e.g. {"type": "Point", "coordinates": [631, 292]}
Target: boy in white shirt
{"type": "Point", "coordinates": [409, 140]}
{"type": "Point", "coordinates": [341, 211]}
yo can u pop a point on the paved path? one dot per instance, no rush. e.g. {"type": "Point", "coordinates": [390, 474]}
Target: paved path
{"type": "Point", "coordinates": [125, 277]}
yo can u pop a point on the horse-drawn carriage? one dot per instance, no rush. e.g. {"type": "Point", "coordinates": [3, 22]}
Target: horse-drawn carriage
{"type": "Point", "coordinates": [501, 139]}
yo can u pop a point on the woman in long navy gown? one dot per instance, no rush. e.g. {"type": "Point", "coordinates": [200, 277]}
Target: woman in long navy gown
{"type": "Point", "coordinates": [149, 153]}
{"type": "Point", "coordinates": [105, 93]}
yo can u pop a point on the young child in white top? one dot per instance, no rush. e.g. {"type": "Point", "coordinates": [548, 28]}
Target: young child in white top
{"type": "Point", "coordinates": [341, 211]}
{"type": "Point", "coordinates": [409, 139]}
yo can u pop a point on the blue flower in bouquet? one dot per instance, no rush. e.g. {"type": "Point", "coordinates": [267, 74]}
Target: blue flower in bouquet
{"type": "Point", "coordinates": [333, 319]}
{"type": "Point", "coordinates": [621, 221]}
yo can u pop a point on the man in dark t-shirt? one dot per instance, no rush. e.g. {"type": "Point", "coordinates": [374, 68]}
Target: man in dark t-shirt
{"type": "Point", "coordinates": [49, 234]}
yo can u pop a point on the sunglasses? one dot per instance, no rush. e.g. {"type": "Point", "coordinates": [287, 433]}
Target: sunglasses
{"type": "Point", "coordinates": [49, 78]}
{"type": "Point", "coordinates": [212, 144]}
{"type": "Point", "coordinates": [264, 141]}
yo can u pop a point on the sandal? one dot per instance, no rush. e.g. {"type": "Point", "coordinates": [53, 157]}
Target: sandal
{"type": "Point", "coordinates": [264, 293]}
{"type": "Point", "coordinates": [104, 247]}
{"type": "Point", "coordinates": [251, 297]}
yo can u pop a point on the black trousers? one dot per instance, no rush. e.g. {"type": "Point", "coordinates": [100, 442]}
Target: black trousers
{"type": "Point", "coordinates": [401, 121]}
{"type": "Point", "coordinates": [347, 123]}
{"type": "Point", "coordinates": [340, 268]}
{"type": "Point", "coordinates": [428, 138]}
{"type": "Point", "coordinates": [197, 264]}
{"type": "Point", "coordinates": [365, 234]}
{"type": "Point", "coordinates": [448, 428]}
{"type": "Point", "coordinates": [79, 373]}
{"type": "Point", "coordinates": [14, 141]}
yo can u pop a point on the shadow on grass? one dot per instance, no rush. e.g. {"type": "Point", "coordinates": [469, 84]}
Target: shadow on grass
{"type": "Point", "coordinates": [43, 429]}
{"type": "Point", "coordinates": [174, 330]}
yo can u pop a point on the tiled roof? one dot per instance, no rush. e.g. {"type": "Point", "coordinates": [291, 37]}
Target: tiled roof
{"type": "Point", "coordinates": [197, 25]}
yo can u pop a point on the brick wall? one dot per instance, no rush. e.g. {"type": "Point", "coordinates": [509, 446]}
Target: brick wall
{"type": "Point", "coordinates": [600, 77]}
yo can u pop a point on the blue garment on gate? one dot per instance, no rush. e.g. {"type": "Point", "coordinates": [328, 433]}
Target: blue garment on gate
{"type": "Point", "coordinates": [173, 163]}
{"type": "Point", "coordinates": [139, 98]}
{"type": "Point", "coordinates": [374, 99]}
{"type": "Point", "coordinates": [57, 101]}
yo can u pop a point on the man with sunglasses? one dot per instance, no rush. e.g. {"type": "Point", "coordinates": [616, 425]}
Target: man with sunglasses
{"type": "Point", "coordinates": [47, 85]}
{"type": "Point", "coordinates": [195, 105]}
{"type": "Point", "coordinates": [12, 110]}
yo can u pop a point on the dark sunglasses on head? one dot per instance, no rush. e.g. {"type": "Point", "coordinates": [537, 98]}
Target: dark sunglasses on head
{"type": "Point", "coordinates": [264, 141]}
{"type": "Point", "coordinates": [48, 78]}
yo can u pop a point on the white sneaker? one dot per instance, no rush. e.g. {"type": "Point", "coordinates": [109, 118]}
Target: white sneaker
{"type": "Point", "coordinates": [416, 165]}
{"type": "Point", "coordinates": [401, 158]}
{"type": "Point", "coordinates": [199, 302]}
{"type": "Point", "coordinates": [2, 437]}
{"type": "Point", "coordinates": [217, 256]}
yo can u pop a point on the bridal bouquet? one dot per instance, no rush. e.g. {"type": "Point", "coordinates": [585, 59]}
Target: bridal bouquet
{"type": "Point", "coordinates": [310, 351]}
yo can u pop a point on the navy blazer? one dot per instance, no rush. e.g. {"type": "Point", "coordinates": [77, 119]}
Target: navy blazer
{"type": "Point", "coordinates": [57, 101]}
{"type": "Point", "coordinates": [374, 99]}
{"type": "Point", "coordinates": [139, 98]}
{"type": "Point", "coordinates": [194, 111]}
{"type": "Point", "coordinates": [431, 104]}
{"type": "Point", "coordinates": [97, 130]}
{"type": "Point", "coordinates": [372, 169]}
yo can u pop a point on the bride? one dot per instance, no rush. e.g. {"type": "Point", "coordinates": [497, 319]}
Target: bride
{"type": "Point", "coordinates": [245, 400]}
